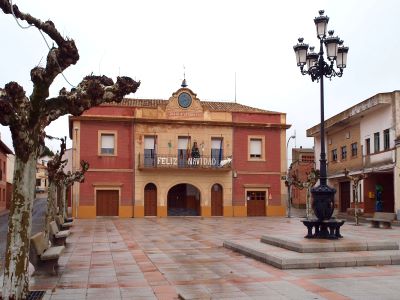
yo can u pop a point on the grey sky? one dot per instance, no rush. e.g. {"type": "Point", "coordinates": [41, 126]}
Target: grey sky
{"type": "Point", "coordinates": [151, 41]}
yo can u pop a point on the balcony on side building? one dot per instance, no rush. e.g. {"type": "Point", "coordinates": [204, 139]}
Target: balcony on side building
{"type": "Point", "coordinates": [382, 158]}
{"type": "Point", "coordinates": [183, 162]}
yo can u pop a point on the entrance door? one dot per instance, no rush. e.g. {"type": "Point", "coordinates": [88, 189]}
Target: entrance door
{"type": "Point", "coordinates": [183, 200]}
{"type": "Point", "coordinates": [256, 203]}
{"type": "Point", "coordinates": [107, 203]}
{"type": "Point", "coordinates": [150, 200]}
{"type": "Point", "coordinates": [344, 196]}
{"type": "Point", "coordinates": [216, 200]}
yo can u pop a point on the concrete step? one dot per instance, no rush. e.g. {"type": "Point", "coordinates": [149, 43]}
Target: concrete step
{"type": "Point", "coordinates": [286, 259]}
{"type": "Point", "coordinates": [302, 245]}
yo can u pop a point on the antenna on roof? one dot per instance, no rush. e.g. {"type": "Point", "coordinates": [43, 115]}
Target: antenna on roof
{"type": "Point", "coordinates": [235, 87]}
{"type": "Point", "coordinates": [184, 84]}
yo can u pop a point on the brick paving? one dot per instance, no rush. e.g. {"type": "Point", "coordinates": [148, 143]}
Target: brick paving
{"type": "Point", "coordinates": [167, 258]}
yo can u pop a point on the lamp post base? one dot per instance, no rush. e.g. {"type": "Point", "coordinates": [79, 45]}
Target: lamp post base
{"type": "Point", "coordinates": [326, 229]}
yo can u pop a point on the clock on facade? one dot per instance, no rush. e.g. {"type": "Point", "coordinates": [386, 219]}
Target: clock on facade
{"type": "Point", "coordinates": [184, 100]}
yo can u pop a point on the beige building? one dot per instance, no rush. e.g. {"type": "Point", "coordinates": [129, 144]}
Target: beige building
{"type": "Point", "coordinates": [365, 139]}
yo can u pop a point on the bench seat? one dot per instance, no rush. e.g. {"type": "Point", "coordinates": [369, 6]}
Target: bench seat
{"type": "Point", "coordinates": [383, 218]}
{"type": "Point", "coordinates": [43, 257]}
{"type": "Point", "coordinates": [58, 237]}
{"type": "Point", "coordinates": [52, 253]}
{"type": "Point", "coordinates": [61, 223]}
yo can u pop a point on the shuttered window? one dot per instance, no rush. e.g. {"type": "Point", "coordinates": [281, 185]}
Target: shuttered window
{"type": "Point", "coordinates": [255, 148]}
{"type": "Point", "coordinates": [107, 143]}
{"type": "Point", "coordinates": [149, 151]}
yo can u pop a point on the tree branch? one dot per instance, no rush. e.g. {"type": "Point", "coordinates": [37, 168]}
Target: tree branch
{"type": "Point", "coordinates": [58, 59]}
{"type": "Point", "coordinates": [92, 91]}
{"type": "Point", "coordinates": [77, 176]}
{"type": "Point", "coordinates": [56, 165]}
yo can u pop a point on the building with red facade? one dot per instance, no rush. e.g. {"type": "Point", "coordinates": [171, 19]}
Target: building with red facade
{"type": "Point", "coordinates": [303, 162]}
{"type": "Point", "coordinates": [181, 156]}
{"type": "Point", "coordinates": [5, 189]}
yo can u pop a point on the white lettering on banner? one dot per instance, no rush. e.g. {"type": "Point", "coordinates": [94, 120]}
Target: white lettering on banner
{"type": "Point", "coordinates": [201, 161]}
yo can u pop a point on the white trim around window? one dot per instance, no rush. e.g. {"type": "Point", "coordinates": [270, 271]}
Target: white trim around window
{"type": "Point", "coordinates": [107, 143]}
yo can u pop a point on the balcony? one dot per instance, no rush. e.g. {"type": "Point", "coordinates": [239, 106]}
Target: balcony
{"type": "Point", "coordinates": [183, 162]}
{"type": "Point", "coordinates": [379, 159]}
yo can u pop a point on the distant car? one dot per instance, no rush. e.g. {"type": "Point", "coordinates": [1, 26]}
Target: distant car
{"type": "Point", "coordinates": [40, 189]}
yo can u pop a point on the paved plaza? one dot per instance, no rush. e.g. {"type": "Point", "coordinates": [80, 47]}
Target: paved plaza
{"type": "Point", "coordinates": [183, 257]}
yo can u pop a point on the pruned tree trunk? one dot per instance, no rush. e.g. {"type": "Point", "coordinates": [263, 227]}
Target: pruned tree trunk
{"type": "Point", "coordinates": [51, 207]}
{"type": "Point", "coordinates": [27, 118]}
{"type": "Point", "coordinates": [16, 277]}
{"type": "Point", "coordinates": [63, 205]}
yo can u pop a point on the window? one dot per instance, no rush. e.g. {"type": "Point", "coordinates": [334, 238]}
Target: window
{"type": "Point", "coordinates": [344, 152]}
{"type": "Point", "coordinates": [150, 151]}
{"type": "Point", "coordinates": [307, 158]}
{"type": "Point", "coordinates": [107, 144]}
{"type": "Point", "coordinates": [376, 142]}
{"type": "Point", "coordinates": [183, 150]}
{"type": "Point", "coordinates": [256, 195]}
{"type": "Point", "coordinates": [38, 182]}
{"type": "Point", "coordinates": [367, 146]}
{"type": "Point", "coordinates": [217, 151]}
{"type": "Point", "coordinates": [334, 155]}
{"type": "Point", "coordinates": [354, 149]}
{"type": "Point", "coordinates": [386, 139]}
{"type": "Point", "coordinates": [255, 148]}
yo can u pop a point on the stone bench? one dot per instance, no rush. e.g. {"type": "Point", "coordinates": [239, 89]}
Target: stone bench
{"type": "Point", "coordinates": [57, 237]}
{"type": "Point", "coordinates": [383, 218]}
{"type": "Point", "coordinates": [42, 256]}
{"type": "Point", "coordinates": [61, 223]}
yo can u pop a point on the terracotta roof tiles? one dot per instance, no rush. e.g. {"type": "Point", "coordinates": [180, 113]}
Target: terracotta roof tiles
{"type": "Point", "coordinates": [207, 105]}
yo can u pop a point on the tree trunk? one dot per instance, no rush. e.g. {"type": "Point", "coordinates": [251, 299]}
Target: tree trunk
{"type": "Point", "coordinates": [16, 275]}
{"type": "Point", "coordinates": [63, 199]}
{"type": "Point", "coordinates": [51, 207]}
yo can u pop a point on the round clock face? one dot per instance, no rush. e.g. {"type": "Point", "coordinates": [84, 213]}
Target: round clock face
{"type": "Point", "coordinates": [184, 100]}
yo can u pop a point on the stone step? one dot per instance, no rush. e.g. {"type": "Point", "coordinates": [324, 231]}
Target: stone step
{"type": "Point", "coordinates": [286, 259]}
{"type": "Point", "coordinates": [302, 245]}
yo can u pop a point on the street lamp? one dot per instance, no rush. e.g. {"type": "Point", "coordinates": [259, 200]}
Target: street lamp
{"type": "Point", "coordinates": [318, 68]}
{"type": "Point", "coordinates": [287, 177]}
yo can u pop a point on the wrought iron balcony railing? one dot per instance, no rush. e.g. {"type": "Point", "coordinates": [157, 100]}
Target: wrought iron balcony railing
{"type": "Point", "coordinates": [183, 161]}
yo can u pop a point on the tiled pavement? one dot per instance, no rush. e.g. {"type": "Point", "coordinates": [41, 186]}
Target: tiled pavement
{"type": "Point", "coordinates": [164, 258]}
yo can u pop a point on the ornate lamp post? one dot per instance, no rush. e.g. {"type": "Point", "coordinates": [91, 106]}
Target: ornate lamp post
{"type": "Point", "coordinates": [318, 68]}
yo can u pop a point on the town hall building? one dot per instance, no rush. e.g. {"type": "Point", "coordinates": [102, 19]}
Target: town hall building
{"type": "Point", "coordinates": [179, 157]}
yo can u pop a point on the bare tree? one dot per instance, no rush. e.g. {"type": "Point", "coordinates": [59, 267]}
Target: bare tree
{"type": "Point", "coordinates": [55, 173]}
{"type": "Point", "coordinates": [27, 118]}
{"type": "Point", "coordinates": [68, 180]}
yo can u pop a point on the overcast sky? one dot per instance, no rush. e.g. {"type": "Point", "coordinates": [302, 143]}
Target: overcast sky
{"type": "Point", "coordinates": [152, 40]}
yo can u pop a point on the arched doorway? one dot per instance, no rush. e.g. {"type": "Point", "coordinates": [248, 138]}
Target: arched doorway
{"type": "Point", "coordinates": [216, 200]}
{"type": "Point", "coordinates": [183, 200]}
{"type": "Point", "coordinates": [150, 200]}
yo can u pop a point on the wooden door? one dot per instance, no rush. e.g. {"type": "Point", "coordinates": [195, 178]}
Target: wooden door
{"type": "Point", "coordinates": [216, 200]}
{"type": "Point", "coordinates": [344, 196]}
{"type": "Point", "coordinates": [150, 200]}
{"type": "Point", "coordinates": [256, 208]}
{"type": "Point", "coordinates": [256, 203]}
{"type": "Point", "coordinates": [107, 203]}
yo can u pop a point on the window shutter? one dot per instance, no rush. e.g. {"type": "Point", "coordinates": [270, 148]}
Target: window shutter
{"type": "Point", "coordinates": [182, 143]}
{"type": "Point", "coordinates": [255, 147]}
{"type": "Point", "coordinates": [149, 142]}
{"type": "Point", "coordinates": [216, 143]}
{"type": "Point", "coordinates": [107, 141]}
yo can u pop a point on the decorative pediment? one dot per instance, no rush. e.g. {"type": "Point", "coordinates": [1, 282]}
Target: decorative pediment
{"type": "Point", "coordinates": [184, 104]}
